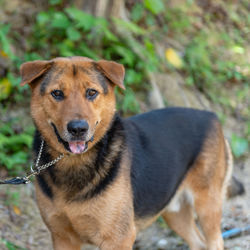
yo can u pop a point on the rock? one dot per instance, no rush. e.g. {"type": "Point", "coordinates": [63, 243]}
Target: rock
{"type": "Point", "coordinates": [173, 90]}
{"type": "Point", "coordinates": [162, 244]}
{"type": "Point", "coordinates": [155, 97]}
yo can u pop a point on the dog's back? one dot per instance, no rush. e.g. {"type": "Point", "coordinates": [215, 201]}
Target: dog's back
{"type": "Point", "coordinates": [164, 145]}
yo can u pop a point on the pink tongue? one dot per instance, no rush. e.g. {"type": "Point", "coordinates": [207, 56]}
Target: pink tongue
{"type": "Point", "coordinates": [77, 147]}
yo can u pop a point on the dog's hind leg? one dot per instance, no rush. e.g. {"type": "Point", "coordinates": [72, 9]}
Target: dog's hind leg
{"type": "Point", "coordinates": [208, 206]}
{"type": "Point", "coordinates": [180, 218]}
{"type": "Point", "coordinates": [209, 181]}
{"type": "Point", "coordinates": [209, 210]}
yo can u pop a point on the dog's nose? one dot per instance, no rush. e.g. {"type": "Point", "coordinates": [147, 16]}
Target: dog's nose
{"type": "Point", "coordinates": [78, 127]}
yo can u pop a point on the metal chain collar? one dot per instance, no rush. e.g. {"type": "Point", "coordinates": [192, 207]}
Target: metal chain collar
{"type": "Point", "coordinates": [26, 179]}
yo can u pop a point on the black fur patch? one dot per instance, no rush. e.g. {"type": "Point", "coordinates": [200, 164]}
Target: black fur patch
{"type": "Point", "coordinates": [60, 140]}
{"type": "Point", "coordinates": [44, 186]}
{"type": "Point", "coordinates": [54, 73]}
{"type": "Point", "coordinates": [45, 81]}
{"type": "Point", "coordinates": [102, 79]}
{"type": "Point", "coordinates": [85, 70]}
{"type": "Point", "coordinates": [113, 171]}
{"type": "Point", "coordinates": [74, 68]}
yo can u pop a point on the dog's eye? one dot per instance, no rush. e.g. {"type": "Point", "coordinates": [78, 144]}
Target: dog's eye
{"type": "Point", "coordinates": [57, 94]}
{"type": "Point", "coordinates": [91, 94]}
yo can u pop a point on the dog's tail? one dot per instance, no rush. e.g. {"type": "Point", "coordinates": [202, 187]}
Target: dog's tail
{"type": "Point", "coordinates": [232, 185]}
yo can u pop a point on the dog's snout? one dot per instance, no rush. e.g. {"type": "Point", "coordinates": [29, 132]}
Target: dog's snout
{"type": "Point", "coordinates": [77, 127]}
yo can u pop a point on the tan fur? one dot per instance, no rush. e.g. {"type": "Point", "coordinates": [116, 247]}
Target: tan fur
{"type": "Point", "coordinates": [108, 220]}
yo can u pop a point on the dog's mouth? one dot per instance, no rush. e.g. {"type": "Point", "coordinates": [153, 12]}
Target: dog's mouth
{"type": "Point", "coordinates": [78, 147]}
{"type": "Point", "coordinates": [74, 146]}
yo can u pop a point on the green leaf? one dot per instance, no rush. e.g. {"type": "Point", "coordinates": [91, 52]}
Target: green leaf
{"type": "Point", "coordinates": [103, 26]}
{"type": "Point", "coordinates": [66, 48]}
{"type": "Point", "coordinates": [60, 20]}
{"type": "Point", "coordinates": [126, 54]}
{"type": "Point", "coordinates": [130, 103]}
{"type": "Point", "coordinates": [11, 246]}
{"type": "Point", "coordinates": [155, 6]}
{"type": "Point", "coordinates": [16, 159]}
{"type": "Point", "coordinates": [73, 34]}
{"type": "Point", "coordinates": [133, 77]}
{"type": "Point", "coordinates": [82, 19]}
{"type": "Point", "coordinates": [5, 129]}
{"type": "Point", "coordinates": [150, 20]}
{"type": "Point", "coordinates": [86, 51]}
{"type": "Point", "coordinates": [239, 145]}
{"type": "Point", "coordinates": [137, 12]}
{"type": "Point", "coordinates": [5, 88]}
{"type": "Point", "coordinates": [43, 18]}
{"type": "Point", "coordinates": [15, 81]}
{"type": "Point", "coordinates": [132, 27]}
{"type": "Point", "coordinates": [5, 41]}
{"type": "Point", "coordinates": [55, 2]}
{"type": "Point", "coordinates": [110, 36]}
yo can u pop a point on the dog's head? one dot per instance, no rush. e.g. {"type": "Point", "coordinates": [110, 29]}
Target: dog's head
{"type": "Point", "coordinates": [73, 99]}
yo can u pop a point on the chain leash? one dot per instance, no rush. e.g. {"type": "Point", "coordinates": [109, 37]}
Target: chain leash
{"type": "Point", "coordinates": [38, 169]}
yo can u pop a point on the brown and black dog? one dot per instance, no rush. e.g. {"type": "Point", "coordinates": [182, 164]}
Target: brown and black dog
{"type": "Point", "coordinates": [118, 175]}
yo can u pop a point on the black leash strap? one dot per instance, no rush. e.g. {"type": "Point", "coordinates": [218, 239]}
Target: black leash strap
{"type": "Point", "coordinates": [15, 181]}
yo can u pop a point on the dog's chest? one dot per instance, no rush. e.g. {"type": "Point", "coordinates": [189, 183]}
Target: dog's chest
{"type": "Point", "coordinates": [76, 220]}
{"type": "Point", "coordinates": [90, 220]}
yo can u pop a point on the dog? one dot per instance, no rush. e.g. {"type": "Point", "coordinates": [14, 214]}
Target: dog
{"type": "Point", "coordinates": [118, 175]}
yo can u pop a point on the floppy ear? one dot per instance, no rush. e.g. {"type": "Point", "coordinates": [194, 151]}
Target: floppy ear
{"type": "Point", "coordinates": [115, 72]}
{"type": "Point", "coordinates": [32, 70]}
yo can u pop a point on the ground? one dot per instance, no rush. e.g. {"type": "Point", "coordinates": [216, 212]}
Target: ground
{"type": "Point", "coordinates": [23, 226]}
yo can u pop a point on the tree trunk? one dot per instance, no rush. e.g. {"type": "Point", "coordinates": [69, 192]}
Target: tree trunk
{"type": "Point", "coordinates": [103, 8]}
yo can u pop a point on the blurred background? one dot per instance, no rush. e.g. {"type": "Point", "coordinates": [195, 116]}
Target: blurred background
{"type": "Point", "coordinates": [176, 53]}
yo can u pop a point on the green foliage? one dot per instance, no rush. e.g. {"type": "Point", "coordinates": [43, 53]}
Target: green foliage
{"type": "Point", "coordinates": [198, 62]}
{"type": "Point", "coordinates": [5, 41]}
{"type": "Point", "coordinates": [14, 147]}
{"type": "Point", "coordinates": [137, 12]}
{"type": "Point", "coordinates": [12, 198]}
{"type": "Point", "coordinates": [11, 246]}
{"type": "Point", "coordinates": [55, 2]}
{"type": "Point", "coordinates": [178, 20]}
{"type": "Point", "coordinates": [155, 6]}
{"type": "Point", "coordinates": [9, 85]}
{"type": "Point", "coordinates": [239, 145]}
{"type": "Point", "coordinates": [205, 70]}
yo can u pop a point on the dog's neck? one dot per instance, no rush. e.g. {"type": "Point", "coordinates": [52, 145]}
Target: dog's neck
{"type": "Point", "coordinates": [84, 176]}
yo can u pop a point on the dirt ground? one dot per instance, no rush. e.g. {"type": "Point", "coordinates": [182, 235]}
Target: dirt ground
{"type": "Point", "coordinates": [22, 225]}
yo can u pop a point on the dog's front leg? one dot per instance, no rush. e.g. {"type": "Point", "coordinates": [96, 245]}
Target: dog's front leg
{"type": "Point", "coordinates": [113, 245]}
{"type": "Point", "coordinates": [65, 243]}
{"type": "Point", "coordinates": [125, 242]}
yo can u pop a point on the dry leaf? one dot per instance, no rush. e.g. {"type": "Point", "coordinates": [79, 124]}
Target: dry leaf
{"type": "Point", "coordinates": [16, 210]}
{"type": "Point", "coordinates": [173, 58]}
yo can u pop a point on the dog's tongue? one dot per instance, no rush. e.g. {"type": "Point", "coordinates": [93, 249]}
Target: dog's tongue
{"type": "Point", "coordinates": [77, 147]}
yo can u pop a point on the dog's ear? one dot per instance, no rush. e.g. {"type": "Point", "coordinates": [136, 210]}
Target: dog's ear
{"type": "Point", "coordinates": [115, 72]}
{"type": "Point", "coordinates": [32, 70]}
